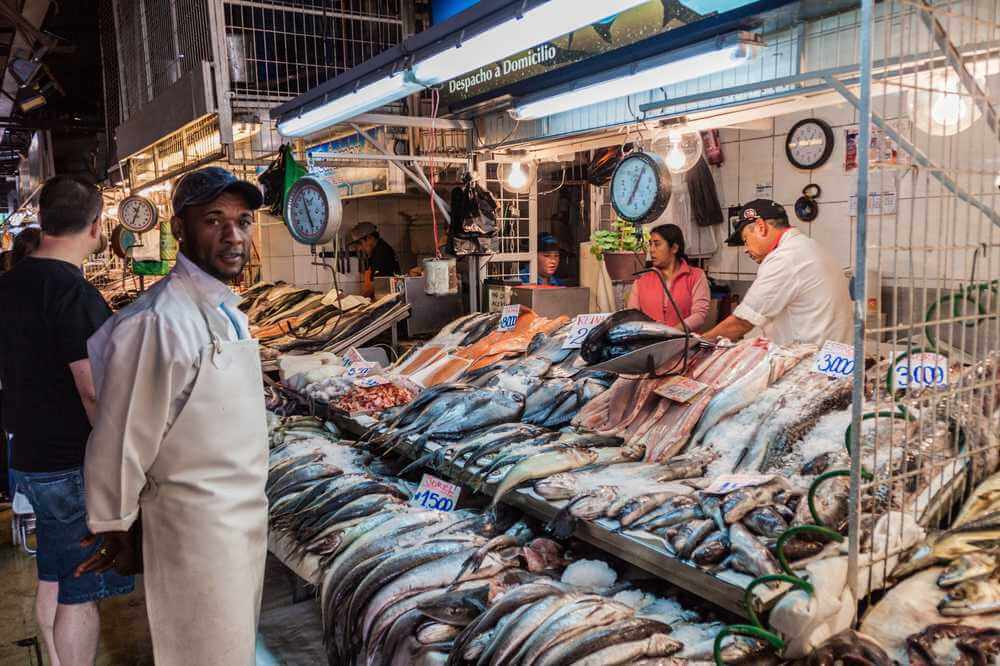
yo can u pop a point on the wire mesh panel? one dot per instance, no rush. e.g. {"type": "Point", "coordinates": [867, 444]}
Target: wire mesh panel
{"type": "Point", "coordinates": [517, 221]}
{"type": "Point", "coordinates": [926, 421]}
{"type": "Point", "coordinates": [277, 49]}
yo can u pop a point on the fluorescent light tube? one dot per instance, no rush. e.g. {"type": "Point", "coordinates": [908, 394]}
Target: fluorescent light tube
{"type": "Point", "coordinates": [683, 65]}
{"type": "Point", "coordinates": [375, 94]}
{"type": "Point", "coordinates": [543, 23]}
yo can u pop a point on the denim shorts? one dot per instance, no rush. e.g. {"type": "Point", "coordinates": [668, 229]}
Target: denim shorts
{"type": "Point", "coordinates": [60, 525]}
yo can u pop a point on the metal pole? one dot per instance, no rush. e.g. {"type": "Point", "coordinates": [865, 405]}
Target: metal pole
{"type": "Point", "coordinates": [421, 182]}
{"type": "Point", "coordinates": [860, 300]}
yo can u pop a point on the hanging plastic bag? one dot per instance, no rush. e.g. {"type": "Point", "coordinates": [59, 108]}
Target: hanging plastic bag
{"type": "Point", "coordinates": [278, 178]}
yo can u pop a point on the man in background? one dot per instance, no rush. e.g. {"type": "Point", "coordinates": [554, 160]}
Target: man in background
{"type": "Point", "coordinates": [549, 256]}
{"type": "Point", "coordinates": [382, 261]}
{"type": "Point", "coordinates": [47, 312]}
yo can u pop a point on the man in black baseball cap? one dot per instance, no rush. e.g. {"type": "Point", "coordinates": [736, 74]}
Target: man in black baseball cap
{"type": "Point", "coordinates": [213, 218]}
{"type": "Point", "coordinates": [180, 410]}
{"type": "Point", "coordinates": [800, 293]}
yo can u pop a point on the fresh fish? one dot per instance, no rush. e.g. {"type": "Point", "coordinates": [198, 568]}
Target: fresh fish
{"type": "Point", "coordinates": [633, 652]}
{"type": "Point", "coordinates": [645, 504]}
{"type": "Point", "coordinates": [593, 345]}
{"type": "Point", "coordinates": [480, 409]}
{"type": "Point", "coordinates": [505, 606]}
{"type": "Point", "coordinates": [712, 506]}
{"type": "Point", "coordinates": [690, 534]}
{"type": "Point", "coordinates": [923, 649]}
{"type": "Point", "coordinates": [670, 518]}
{"type": "Point", "coordinates": [457, 607]}
{"type": "Point", "coordinates": [983, 647]}
{"type": "Point", "coordinates": [540, 403]}
{"type": "Point", "coordinates": [569, 621]}
{"type": "Point", "coordinates": [636, 331]}
{"type": "Point", "coordinates": [741, 502]}
{"type": "Point", "coordinates": [831, 503]}
{"type": "Point", "coordinates": [545, 464]}
{"type": "Point", "coordinates": [976, 596]}
{"type": "Point", "coordinates": [765, 521]}
{"type": "Point", "coordinates": [748, 554]}
{"type": "Point", "coordinates": [850, 647]}
{"type": "Point", "coordinates": [591, 642]}
{"type": "Point", "coordinates": [588, 506]}
{"type": "Point", "coordinates": [818, 465]}
{"type": "Point", "coordinates": [433, 633]}
{"type": "Point", "coordinates": [713, 549]}
{"type": "Point", "coordinates": [970, 565]}
{"type": "Point", "coordinates": [299, 477]}
{"type": "Point", "coordinates": [941, 548]}
{"type": "Point", "coordinates": [510, 641]}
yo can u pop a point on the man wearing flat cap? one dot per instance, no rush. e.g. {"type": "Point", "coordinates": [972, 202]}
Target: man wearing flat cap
{"type": "Point", "coordinates": [800, 293]}
{"type": "Point", "coordinates": [180, 441]}
{"type": "Point", "coordinates": [382, 261]}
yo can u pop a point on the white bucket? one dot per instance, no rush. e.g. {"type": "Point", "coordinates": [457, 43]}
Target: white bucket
{"type": "Point", "coordinates": [440, 277]}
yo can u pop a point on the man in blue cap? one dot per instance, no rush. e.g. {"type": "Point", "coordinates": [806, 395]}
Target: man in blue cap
{"type": "Point", "coordinates": [180, 439]}
{"type": "Point", "coordinates": [548, 261]}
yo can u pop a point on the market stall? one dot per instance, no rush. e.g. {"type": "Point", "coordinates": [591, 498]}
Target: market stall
{"type": "Point", "coordinates": [810, 488]}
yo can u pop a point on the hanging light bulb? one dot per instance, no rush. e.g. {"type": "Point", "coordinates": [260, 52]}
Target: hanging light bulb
{"type": "Point", "coordinates": [517, 177]}
{"type": "Point", "coordinates": [949, 108]}
{"type": "Point", "coordinates": [676, 158]}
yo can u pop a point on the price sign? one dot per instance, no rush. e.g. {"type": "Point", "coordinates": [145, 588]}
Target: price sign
{"type": "Point", "coordinates": [727, 483]}
{"type": "Point", "coordinates": [681, 389]}
{"type": "Point", "coordinates": [508, 317]}
{"type": "Point", "coordinates": [352, 356]}
{"type": "Point", "coordinates": [435, 494]}
{"type": "Point", "coordinates": [581, 328]}
{"type": "Point", "coordinates": [371, 381]}
{"type": "Point", "coordinates": [921, 370]}
{"type": "Point", "coordinates": [361, 369]}
{"type": "Point", "coordinates": [835, 360]}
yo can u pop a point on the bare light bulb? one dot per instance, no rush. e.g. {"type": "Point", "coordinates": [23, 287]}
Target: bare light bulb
{"type": "Point", "coordinates": [949, 109]}
{"type": "Point", "coordinates": [517, 177]}
{"type": "Point", "coordinates": [676, 159]}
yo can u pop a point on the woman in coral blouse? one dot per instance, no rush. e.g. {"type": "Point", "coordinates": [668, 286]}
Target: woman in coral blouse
{"type": "Point", "coordinates": [688, 284]}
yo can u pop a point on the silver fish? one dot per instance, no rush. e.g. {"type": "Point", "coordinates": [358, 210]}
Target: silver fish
{"type": "Point", "coordinates": [690, 535]}
{"type": "Point", "coordinates": [970, 565]}
{"type": "Point", "coordinates": [748, 554]}
{"type": "Point", "coordinates": [976, 596]}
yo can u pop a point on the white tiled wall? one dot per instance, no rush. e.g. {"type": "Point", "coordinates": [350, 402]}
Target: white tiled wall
{"type": "Point", "coordinates": [284, 259]}
{"type": "Point", "coordinates": [755, 165]}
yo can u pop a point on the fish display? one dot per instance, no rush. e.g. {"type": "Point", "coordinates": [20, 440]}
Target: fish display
{"type": "Point", "coordinates": [399, 584]}
{"type": "Point", "coordinates": [286, 318]}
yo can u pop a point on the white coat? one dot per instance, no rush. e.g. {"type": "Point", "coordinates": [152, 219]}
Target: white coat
{"type": "Point", "coordinates": [184, 440]}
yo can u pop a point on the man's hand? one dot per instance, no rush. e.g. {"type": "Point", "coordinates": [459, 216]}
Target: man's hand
{"type": "Point", "coordinates": [732, 328]}
{"type": "Point", "coordinates": [116, 552]}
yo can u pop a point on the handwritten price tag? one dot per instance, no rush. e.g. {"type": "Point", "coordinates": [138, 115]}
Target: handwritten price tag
{"type": "Point", "coordinates": [581, 328]}
{"type": "Point", "coordinates": [435, 494]}
{"type": "Point", "coordinates": [508, 317]}
{"type": "Point", "coordinates": [352, 356]}
{"type": "Point", "coordinates": [682, 389]}
{"type": "Point", "coordinates": [921, 370]}
{"type": "Point", "coordinates": [370, 382]}
{"type": "Point", "coordinates": [361, 369]}
{"type": "Point", "coordinates": [835, 360]}
{"type": "Point", "coordinates": [727, 483]}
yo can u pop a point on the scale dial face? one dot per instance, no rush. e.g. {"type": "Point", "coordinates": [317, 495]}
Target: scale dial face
{"type": "Point", "coordinates": [640, 187]}
{"type": "Point", "coordinates": [313, 211]}
{"type": "Point", "coordinates": [138, 214]}
{"type": "Point", "coordinates": [809, 143]}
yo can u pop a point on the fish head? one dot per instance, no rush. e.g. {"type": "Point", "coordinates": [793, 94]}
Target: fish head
{"type": "Point", "coordinates": [971, 597]}
{"type": "Point", "coordinates": [509, 399]}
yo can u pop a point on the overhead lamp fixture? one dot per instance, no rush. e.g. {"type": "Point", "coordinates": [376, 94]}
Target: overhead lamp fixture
{"type": "Point", "coordinates": [517, 176]}
{"type": "Point", "coordinates": [681, 148]}
{"type": "Point", "coordinates": [541, 23]}
{"type": "Point", "coordinates": [702, 59]}
{"type": "Point", "coordinates": [367, 97]}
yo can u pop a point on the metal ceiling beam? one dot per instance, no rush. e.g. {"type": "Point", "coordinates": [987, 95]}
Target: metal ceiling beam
{"type": "Point", "coordinates": [33, 14]}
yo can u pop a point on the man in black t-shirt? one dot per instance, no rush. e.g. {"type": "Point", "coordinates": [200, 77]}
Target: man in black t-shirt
{"type": "Point", "coordinates": [382, 261]}
{"type": "Point", "coordinates": [47, 312]}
